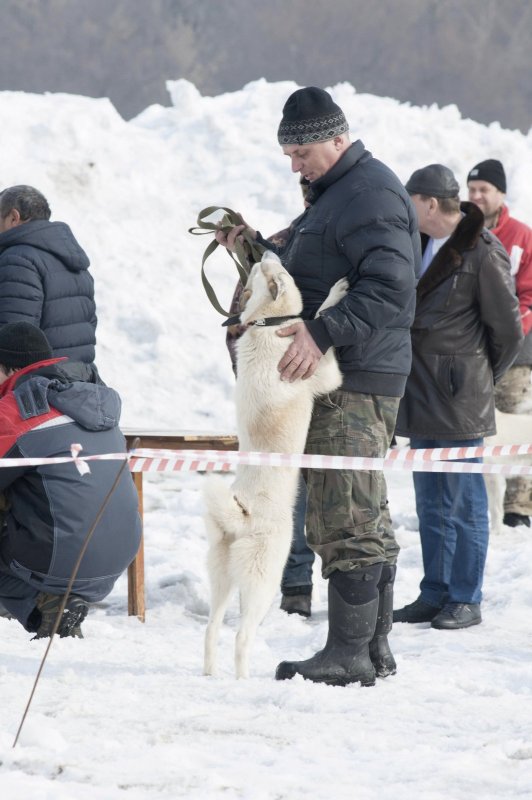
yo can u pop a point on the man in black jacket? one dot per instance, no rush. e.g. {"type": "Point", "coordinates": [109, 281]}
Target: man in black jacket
{"type": "Point", "coordinates": [466, 334]}
{"type": "Point", "coordinates": [45, 278]}
{"type": "Point", "coordinates": [360, 224]}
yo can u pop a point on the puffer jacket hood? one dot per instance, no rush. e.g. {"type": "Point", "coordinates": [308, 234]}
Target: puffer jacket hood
{"type": "Point", "coordinates": [55, 238]}
{"type": "Point", "coordinates": [93, 406]}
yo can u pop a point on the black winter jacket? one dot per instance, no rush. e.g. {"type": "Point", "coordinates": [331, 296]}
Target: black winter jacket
{"type": "Point", "coordinates": [52, 507]}
{"type": "Point", "coordinates": [466, 333]}
{"type": "Point", "coordinates": [360, 225]}
{"type": "Point", "coordinates": [44, 279]}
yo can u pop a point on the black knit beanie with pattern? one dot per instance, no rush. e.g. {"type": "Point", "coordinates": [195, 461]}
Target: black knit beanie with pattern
{"type": "Point", "coordinates": [311, 115]}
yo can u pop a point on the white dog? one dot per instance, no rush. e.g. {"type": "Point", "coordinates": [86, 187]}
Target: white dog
{"type": "Point", "coordinates": [511, 429]}
{"type": "Point", "coordinates": [249, 524]}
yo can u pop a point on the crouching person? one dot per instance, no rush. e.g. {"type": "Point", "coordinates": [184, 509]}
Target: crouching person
{"type": "Point", "coordinates": [50, 508]}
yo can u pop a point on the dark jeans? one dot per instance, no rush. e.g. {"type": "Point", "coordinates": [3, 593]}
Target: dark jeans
{"type": "Point", "coordinates": [453, 527]}
{"type": "Point", "coordinates": [298, 569]}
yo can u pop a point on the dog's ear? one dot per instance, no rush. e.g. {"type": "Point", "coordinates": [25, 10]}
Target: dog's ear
{"type": "Point", "coordinates": [276, 285]}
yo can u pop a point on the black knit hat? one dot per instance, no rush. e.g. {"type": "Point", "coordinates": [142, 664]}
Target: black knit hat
{"type": "Point", "coordinates": [433, 181]}
{"type": "Point", "coordinates": [311, 115]}
{"type": "Point", "coordinates": [491, 171]}
{"type": "Point", "coordinates": [21, 344]}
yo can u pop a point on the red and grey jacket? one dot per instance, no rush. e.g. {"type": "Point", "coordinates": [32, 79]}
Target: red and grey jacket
{"type": "Point", "coordinates": [516, 237]}
{"type": "Point", "coordinates": [12, 424]}
{"type": "Point", "coordinates": [52, 506]}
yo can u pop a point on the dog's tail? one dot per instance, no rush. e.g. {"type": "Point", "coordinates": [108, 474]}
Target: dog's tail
{"type": "Point", "coordinates": [224, 509]}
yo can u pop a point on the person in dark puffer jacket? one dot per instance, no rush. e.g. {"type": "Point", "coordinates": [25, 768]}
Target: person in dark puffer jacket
{"type": "Point", "coordinates": [51, 508]}
{"type": "Point", "coordinates": [360, 225]}
{"type": "Point", "coordinates": [45, 278]}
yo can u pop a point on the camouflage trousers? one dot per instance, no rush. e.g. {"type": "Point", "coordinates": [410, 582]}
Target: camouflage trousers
{"type": "Point", "coordinates": [348, 522]}
{"type": "Point", "coordinates": [513, 395]}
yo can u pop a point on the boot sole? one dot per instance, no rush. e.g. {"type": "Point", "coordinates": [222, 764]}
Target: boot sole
{"type": "Point", "coordinates": [71, 622]}
{"type": "Point", "coordinates": [456, 627]}
{"type": "Point", "coordinates": [283, 675]}
{"type": "Point", "coordinates": [343, 681]}
{"type": "Point", "coordinates": [385, 672]}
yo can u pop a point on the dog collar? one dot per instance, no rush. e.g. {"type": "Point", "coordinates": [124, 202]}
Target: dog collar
{"type": "Point", "coordinates": [261, 322]}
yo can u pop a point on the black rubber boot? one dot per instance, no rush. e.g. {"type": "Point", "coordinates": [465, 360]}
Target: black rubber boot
{"type": "Point", "coordinates": [379, 648]}
{"type": "Point", "coordinates": [353, 607]}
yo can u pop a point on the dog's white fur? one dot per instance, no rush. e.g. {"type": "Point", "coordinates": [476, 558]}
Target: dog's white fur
{"type": "Point", "coordinates": [511, 429]}
{"type": "Point", "coordinates": [249, 524]}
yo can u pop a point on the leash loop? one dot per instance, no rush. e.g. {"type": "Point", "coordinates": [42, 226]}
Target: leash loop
{"type": "Point", "coordinates": [247, 252]}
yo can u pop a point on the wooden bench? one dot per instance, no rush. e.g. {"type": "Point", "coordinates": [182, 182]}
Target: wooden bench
{"type": "Point", "coordinates": [162, 440]}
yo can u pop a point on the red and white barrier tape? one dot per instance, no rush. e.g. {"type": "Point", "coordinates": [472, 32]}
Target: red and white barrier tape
{"type": "Point", "coordinates": [145, 460]}
{"type": "Point", "coordinates": [427, 460]}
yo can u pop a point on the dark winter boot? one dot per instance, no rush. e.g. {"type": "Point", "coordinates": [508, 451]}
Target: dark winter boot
{"type": "Point", "coordinates": [379, 648]}
{"type": "Point", "coordinates": [297, 604]}
{"type": "Point", "coordinates": [513, 519]}
{"type": "Point", "coordinates": [43, 617]}
{"type": "Point", "coordinates": [353, 607]}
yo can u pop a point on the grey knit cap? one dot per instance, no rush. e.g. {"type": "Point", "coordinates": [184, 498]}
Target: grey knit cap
{"type": "Point", "coordinates": [311, 115]}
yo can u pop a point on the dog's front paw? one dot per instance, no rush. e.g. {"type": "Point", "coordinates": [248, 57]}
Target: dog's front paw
{"type": "Point", "coordinates": [339, 290]}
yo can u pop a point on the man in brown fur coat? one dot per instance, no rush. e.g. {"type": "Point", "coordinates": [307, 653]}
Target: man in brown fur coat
{"type": "Point", "coordinates": [465, 335]}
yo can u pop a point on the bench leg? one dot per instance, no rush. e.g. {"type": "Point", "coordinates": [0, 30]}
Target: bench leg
{"type": "Point", "coordinates": [135, 572]}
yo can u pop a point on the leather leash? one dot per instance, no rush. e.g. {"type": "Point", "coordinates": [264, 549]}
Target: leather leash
{"type": "Point", "coordinates": [246, 253]}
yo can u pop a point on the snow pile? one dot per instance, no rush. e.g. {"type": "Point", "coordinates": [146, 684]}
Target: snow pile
{"type": "Point", "coordinates": [126, 713]}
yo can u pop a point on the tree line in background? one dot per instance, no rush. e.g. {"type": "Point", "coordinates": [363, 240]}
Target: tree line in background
{"type": "Point", "coordinates": [475, 54]}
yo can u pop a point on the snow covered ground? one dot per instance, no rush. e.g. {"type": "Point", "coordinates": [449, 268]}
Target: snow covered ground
{"type": "Point", "coordinates": [126, 713]}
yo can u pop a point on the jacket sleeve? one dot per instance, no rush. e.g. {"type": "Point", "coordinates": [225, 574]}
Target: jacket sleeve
{"type": "Point", "coordinates": [9, 475]}
{"type": "Point", "coordinates": [499, 310]}
{"type": "Point", "coordinates": [381, 247]}
{"type": "Point", "coordinates": [21, 290]}
{"type": "Point", "coordinates": [523, 285]}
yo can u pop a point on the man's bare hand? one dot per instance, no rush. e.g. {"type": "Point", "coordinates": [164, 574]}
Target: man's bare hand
{"type": "Point", "coordinates": [229, 240]}
{"type": "Point", "coordinates": [234, 234]}
{"type": "Point", "coordinates": [302, 357]}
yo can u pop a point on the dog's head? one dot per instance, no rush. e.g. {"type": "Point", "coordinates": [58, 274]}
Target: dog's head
{"type": "Point", "coordinates": [269, 292]}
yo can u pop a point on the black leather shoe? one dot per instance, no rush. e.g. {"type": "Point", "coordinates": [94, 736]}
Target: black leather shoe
{"type": "Point", "coordinates": [297, 604]}
{"type": "Point", "coordinates": [457, 615]}
{"type": "Point", "coordinates": [418, 611]}
{"type": "Point", "coordinates": [514, 520]}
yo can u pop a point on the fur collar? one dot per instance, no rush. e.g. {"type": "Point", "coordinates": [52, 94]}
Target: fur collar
{"type": "Point", "coordinates": [450, 256]}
